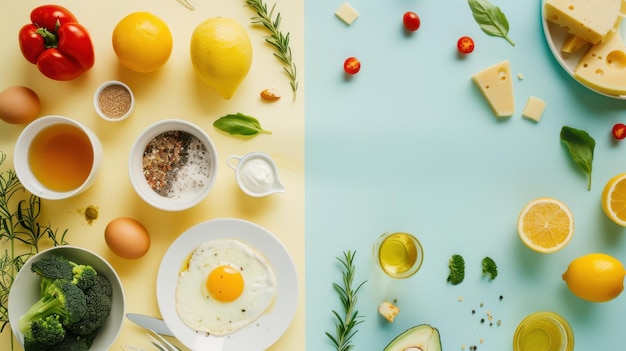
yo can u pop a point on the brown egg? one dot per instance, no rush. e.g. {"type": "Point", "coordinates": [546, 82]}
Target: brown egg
{"type": "Point", "coordinates": [19, 105]}
{"type": "Point", "coordinates": [127, 238]}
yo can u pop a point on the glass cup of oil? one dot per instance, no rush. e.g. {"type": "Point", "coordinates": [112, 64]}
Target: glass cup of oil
{"type": "Point", "coordinates": [543, 331]}
{"type": "Point", "coordinates": [398, 254]}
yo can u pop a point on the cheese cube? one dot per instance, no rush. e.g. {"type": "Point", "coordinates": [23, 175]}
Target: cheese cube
{"type": "Point", "coordinates": [589, 20]}
{"type": "Point", "coordinates": [496, 84]}
{"type": "Point", "coordinates": [347, 13]}
{"type": "Point", "coordinates": [602, 67]}
{"type": "Point", "coordinates": [388, 310]}
{"type": "Point", "coordinates": [534, 108]}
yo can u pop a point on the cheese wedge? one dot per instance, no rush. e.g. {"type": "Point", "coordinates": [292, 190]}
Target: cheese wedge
{"type": "Point", "coordinates": [603, 67]}
{"type": "Point", "coordinates": [589, 20]}
{"type": "Point", "coordinates": [496, 84]}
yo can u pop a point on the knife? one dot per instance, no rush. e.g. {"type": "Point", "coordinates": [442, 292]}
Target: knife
{"type": "Point", "coordinates": [148, 322]}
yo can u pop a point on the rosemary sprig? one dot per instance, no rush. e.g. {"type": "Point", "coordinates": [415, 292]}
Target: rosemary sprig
{"type": "Point", "coordinates": [345, 326]}
{"type": "Point", "coordinates": [20, 233]}
{"type": "Point", "coordinates": [277, 39]}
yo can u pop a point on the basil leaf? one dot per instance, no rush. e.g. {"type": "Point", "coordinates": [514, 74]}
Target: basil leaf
{"type": "Point", "coordinates": [490, 19]}
{"type": "Point", "coordinates": [581, 146]}
{"type": "Point", "coordinates": [239, 124]}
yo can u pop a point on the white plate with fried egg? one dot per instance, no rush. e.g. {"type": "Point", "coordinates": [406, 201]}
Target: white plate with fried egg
{"type": "Point", "coordinates": [227, 284]}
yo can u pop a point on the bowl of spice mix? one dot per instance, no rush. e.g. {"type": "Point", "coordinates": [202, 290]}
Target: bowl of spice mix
{"type": "Point", "coordinates": [114, 101]}
{"type": "Point", "coordinates": [173, 165]}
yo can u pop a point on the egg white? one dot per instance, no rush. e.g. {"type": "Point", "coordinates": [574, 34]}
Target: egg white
{"type": "Point", "coordinates": [199, 311]}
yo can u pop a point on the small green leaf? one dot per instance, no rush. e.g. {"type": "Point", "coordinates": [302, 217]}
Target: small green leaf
{"type": "Point", "coordinates": [239, 124]}
{"type": "Point", "coordinates": [581, 146]}
{"type": "Point", "coordinates": [490, 19]}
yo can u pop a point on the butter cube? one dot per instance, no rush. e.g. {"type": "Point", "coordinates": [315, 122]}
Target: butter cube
{"type": "Point", "coordinates": [347, 13]}
{"type": "Point", "coordinates": [534, 108]}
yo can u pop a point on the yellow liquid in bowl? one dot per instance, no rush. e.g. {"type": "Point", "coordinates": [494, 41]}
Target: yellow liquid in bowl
{"type": "Point", "coordinates": [400, 255]}
{"type": "Point", "coordinates": [543, 331]}
{"type": "Point", "coordinates": [61, 157]}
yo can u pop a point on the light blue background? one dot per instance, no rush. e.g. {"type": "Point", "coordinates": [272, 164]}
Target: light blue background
{"type": "Point", "coordinates": [409, 144]}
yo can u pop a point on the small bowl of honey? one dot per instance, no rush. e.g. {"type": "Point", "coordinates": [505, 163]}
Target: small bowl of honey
{"type": "Point", "coordinates": [56, 157]}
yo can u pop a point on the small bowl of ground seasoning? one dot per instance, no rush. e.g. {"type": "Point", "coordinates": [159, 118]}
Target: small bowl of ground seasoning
{"type": "Point", "coordinates": [114, 101]}
{"type": "Point", "coordinates": [173, 165]}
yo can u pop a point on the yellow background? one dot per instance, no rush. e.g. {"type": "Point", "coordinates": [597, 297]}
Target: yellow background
{"type": "Point", "coordinates": [172, 92]}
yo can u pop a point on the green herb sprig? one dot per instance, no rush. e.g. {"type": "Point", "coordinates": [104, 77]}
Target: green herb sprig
{"type": "Point", "coordinates": [581, 146]}
{"type": "Point", "coordinates": [490, 19]}
{"type": "Point", "coordinates": [277, 39]}
{"type": "Point", "coordinates": [20, 233]}
{"type": "Point", "coordinates": [239, 124]}
{"type": "Point", "coordinates": [345, 325]}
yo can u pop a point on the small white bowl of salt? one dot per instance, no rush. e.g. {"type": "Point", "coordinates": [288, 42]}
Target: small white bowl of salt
{"type": "Point", "coordinates": [256, 173]}
{"type": "Point", "coordinates": [173, 165]}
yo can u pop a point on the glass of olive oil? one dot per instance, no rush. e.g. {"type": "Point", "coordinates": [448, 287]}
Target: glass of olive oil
{"type": "Point", "coordinates": [398, 254]}
{"type": "Point", "coordinates": [543, 331]}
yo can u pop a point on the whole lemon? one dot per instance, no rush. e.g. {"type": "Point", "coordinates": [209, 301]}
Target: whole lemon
{"type": "Point", "coordinates": [142, 42]}
{"type": "Point", "coordinates": [221, 54]}
{"type": "Point", "coordinates": [595, 277]}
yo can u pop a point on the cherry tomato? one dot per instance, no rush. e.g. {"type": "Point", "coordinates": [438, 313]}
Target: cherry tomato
{"type": "Point", "coordinates": [352, 65]}
{"type": "Point", "coordinates": [411, 21]}
{"type": "Point", "coordinates": [619, 131]}
{"type": "Point", "coordinates": [465, 45]}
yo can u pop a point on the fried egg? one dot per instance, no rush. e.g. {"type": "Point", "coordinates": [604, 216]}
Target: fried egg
{"type": "Point", "coordinates": [226, 286]}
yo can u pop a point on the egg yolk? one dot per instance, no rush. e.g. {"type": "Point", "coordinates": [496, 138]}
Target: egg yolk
{"type": "Point", "coordinates": [225, 283]}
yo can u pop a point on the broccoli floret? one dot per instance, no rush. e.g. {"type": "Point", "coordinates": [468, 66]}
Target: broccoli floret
{"type": "Point", "coordinates": [103, 284]}
{"type": "Point", "coordinates": [53, 267]}
{"type": "Point", "coordinates": [490, 268]}
{"type": "Point", "coordinates": [457, 269]}
{"type": "Point", "coordinates": [32, 344]}
{"type": "Point", "coordinates": [83, 275]}
{"type": "Point", "coordinates": [48, 330]}
{"type": "Point", "coordinates": [61, 297]}
{"type": "Point", "coordinates": [98, 308]}
{"type": "Point", "coordinates": [73, 342]}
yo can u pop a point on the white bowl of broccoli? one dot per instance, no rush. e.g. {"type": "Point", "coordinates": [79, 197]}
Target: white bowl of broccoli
{"type": "Point", "coordinates": [66, 298]}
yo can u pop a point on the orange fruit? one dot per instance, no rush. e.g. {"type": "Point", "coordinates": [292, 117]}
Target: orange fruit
{"type": "Point", "coordinates": [595, 277]}
{"type": "Point", "coordinates": [614, 199]}
{"type": "Point", "coordinates": [545, 225]}
{"type": "Point", "coordinates": [142, 42]}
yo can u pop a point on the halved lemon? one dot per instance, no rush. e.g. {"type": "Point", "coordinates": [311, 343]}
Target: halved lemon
{"type": "Point", "coordinates": [545, 225]}
{"type": "Point", "coordinates": [614, 199]}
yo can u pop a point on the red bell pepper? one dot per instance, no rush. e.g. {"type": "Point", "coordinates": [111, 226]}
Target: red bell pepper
{"type": "Point", "coordinates": [55, 42]}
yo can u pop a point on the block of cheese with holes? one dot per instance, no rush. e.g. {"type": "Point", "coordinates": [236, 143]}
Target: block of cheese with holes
{"type": "Point", "coordinates": [496, 84]}
{"type": "Point", "coordinates": [589, 20]}
{"type": "Point", "coordinates": [603, 67]}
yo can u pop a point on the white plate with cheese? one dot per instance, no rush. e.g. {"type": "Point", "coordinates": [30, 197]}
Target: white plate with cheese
{"type": "Point", "coordinates": [262, 332]}
{"type": "Point", "coordinates": [599, 67]}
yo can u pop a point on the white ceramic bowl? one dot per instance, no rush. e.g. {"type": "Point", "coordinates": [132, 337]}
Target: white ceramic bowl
{"type": "Point", "coordinates": [196, 178]}
{"type": "Point", "coordinates": [115, 105]}
{"type": "Point", "coordinates": [25, 292]}
{"type": "Point", "coordinates": [22, 164]}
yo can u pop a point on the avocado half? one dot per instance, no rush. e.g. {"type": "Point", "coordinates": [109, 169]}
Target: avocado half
{"type": "Point", "coordinates": [421, 337]}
